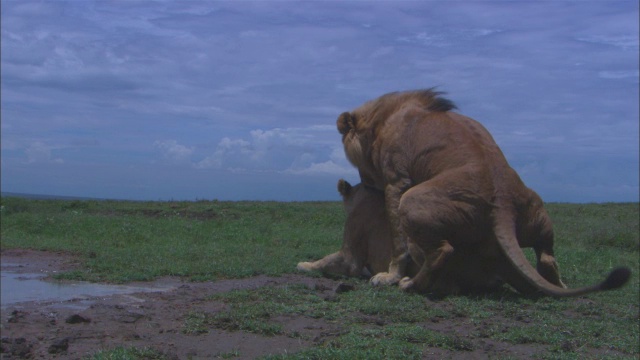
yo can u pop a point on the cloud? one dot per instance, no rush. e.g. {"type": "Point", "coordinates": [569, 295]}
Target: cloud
{"type": "Point", "coordinates": [382, 51]}
{"type": "Point", "coordinates": [312, 150]}
{"type": "Point", "coordinates": [237, 88]}
{"type": "Point", "coordinates": [625, 42]}
{"type": "Point", "coordinates": [620, 74]}
{"type": "Point", "coordinates": [38, 152]}
{"type": "Point", "coordinates": [444, 38]}
{"type": "Point", "coordinates": [324, 168]}
{"type": "Point", "coordinates": [337, 165]}
{"type": "Point", "coordinates": [226, 150]}
{"type": "Point", "coordinates": [173, 151]}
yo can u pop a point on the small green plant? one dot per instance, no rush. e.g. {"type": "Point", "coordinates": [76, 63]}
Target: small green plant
{"type": "Point", "coordinates": [196, 323]}
{"type": "Point", "coordinates": [122, 353]}
{"type": "Point", "coordinates": [229, 355]}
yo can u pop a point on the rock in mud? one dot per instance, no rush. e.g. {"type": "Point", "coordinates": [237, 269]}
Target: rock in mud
{"type": "Point", "coordinates": [59, 346]}
{"type": "Point", "coordinates": [16, 315]}
{"type": "Point", "coordinates": [343, 288]}
{"type": "Point", "coordinates": [129, 317]}
{"type": "Point", "coordinates": [77, 319]}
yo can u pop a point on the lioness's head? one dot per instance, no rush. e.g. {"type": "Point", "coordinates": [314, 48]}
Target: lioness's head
{"type": "Point", "coordinates": [347, 191]}
{"type": "Point", "coordinates": [360, 196]}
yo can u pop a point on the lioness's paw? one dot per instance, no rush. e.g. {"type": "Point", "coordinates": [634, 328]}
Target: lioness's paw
{"type": "Point", "coordinates": [304, 266]}
{"type": "Point", "coordinates": [406, 284]}
{"type": "Point", "coordinates": [384, 278]}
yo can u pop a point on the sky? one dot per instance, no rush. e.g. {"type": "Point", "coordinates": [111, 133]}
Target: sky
{"type": "Point", "coordinates": [237, 100]}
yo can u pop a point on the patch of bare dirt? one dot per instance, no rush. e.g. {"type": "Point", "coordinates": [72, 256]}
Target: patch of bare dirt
{"type": "Point", "coordinates": [76, 328]}
{"type": "Point", "coordinates": [32, 261]}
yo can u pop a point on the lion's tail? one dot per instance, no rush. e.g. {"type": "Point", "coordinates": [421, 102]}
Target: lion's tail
{"type": "Point", "coordinates": [524, 277]}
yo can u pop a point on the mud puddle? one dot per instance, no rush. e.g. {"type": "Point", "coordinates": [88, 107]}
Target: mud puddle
{"type": "Point", "coordinates": [18, 287]}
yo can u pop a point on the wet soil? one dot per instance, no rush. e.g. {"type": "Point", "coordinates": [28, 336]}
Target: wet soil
{"type": "Point", "coordinates": [79, 327]}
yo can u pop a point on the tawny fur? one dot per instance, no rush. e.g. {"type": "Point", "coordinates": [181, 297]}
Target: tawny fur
{"type": "Point", "coordinates": [449, 190]}
{"type": "Point", "coordinates": [366, 242]}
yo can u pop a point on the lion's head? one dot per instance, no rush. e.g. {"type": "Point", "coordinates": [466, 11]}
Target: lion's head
{"type": "Point", "coordinates": [359, 128]}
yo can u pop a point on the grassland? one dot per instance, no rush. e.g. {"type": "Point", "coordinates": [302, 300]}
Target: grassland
{"type": "Point", "coordinates": [209, 240]}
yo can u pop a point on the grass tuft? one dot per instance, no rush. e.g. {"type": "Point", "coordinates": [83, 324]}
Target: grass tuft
{"type": "Point", "coordinates": [122, 353]}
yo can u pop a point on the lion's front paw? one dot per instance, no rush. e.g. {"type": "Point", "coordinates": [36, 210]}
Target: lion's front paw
{"type": "Point", "coordinates": [304, 266]}
{"type": "Point", "coordinates": [406, 284]}
{"type": "Point", "coordinates": [384, 278]}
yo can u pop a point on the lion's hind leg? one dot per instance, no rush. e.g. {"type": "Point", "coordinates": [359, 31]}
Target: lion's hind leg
{"type": "Point", "coordinates": [547, 265]}
{"type": "Point", "coordinates": [548, 268]}
{"type": "Point", "coordinates": [429, 218]}
{"type": "Point", "coordinates": [434, 261]}
{"type": "Point", "coordinates": [535, 229]}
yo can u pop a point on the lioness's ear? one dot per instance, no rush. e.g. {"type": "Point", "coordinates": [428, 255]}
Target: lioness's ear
{"type": "Point", "coordinates": [344, 188]}
{"type": "Point", "coordinates": [346, 122]}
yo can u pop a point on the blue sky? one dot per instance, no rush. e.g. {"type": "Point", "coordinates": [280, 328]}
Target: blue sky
{"type": "Point", "coordinates": [159, 100]}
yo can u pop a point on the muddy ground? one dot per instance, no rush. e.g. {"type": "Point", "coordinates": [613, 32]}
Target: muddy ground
{"type": "Point", "coordinates": [76, 328]}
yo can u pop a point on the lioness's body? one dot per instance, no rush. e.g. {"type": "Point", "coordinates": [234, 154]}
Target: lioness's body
{"type": "Point", "coordinates": [366, 242]}
{"type": "Point", "coordinates": [366, 248]}
{"type": "Point", "coordinates": [448, 188]}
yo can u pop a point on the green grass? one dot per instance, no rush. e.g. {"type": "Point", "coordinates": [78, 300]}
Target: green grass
{"type": "Point", "coordinates": [128, 241]}
{"type": "Point", "coordinates": [386, 323]}
{"type": "Point", "coordinates": [207, 240]}
{"type": "Point", "coordinates": [121, 353]}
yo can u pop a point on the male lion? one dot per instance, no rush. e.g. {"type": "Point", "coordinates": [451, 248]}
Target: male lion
{"type": "Point", "coordinates": [448, 187]}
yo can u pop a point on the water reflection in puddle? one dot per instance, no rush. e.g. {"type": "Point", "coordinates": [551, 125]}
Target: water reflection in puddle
{"type": "Point", "coordinates": [16, 288]}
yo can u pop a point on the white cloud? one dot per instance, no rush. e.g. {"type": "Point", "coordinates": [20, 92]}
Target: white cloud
{"type": "Point", "coordinates": [65, 58]}
{"type": "Point", "coordinates": [625, 42]}
{"type": "Point", "coordinates": [425, 38]}
{"type": "Point", "coordinates": [337, 165]}
{"type": "Point", "coordinates": [310, 150]}
{"type": "Point", "coordinates": [226, 151]}
{"type": "Point", "coordinates": [442, 38]}
{"type": "Point", "coordinates": [211, 162]}
{"type": "Point", "coordinates": [38, 152]}
{"type": "Point", "coordinates": [620, 74]}
{"type": "Point", "coordinates": [74, 71]}
{"type": "Point", "coordinates": [385, 50]}
{"type": "Point", "coordinates": [173, 151]}
{"type": "Point", "coordinates": [231, 90]}
{"type": "Point", "coordinates": [324, 168]}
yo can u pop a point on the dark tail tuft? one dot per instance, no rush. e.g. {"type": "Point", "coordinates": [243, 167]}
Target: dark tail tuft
{"type": "Point", "coordinates": [617, 278]}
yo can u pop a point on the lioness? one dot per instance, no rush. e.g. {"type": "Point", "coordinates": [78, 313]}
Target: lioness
{"type": "Point", "coordinates": [366, 248]}
{"type": "Point", "coordinates": [366, 241]}
{"type": "Point", "coordinates": [448, 188]}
